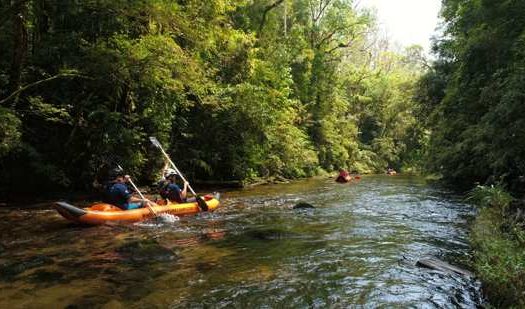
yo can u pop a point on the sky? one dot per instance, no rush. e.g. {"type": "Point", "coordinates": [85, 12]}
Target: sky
{"type": "Point", "coordinates": [407, 22]}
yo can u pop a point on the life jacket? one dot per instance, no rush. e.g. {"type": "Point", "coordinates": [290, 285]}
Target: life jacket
{"type": "Point", "coordinates": [117, 194]}
{"type": "Point", "coordinates": [172, 192]}
{"type": "Point", "coordinates": [344, 176]}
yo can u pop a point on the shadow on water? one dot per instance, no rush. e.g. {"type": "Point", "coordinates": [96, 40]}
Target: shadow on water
{"type": "Point", "coordinates": [358, 246]}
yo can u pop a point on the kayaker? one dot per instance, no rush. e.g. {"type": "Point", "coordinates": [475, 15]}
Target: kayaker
{"type": "Point", "coordinates": [169, 190]}
{"type": "Point", "coordinates": [118, 193]}
{"type": "Point", "coordinates": [343, 176]}
{"type": "Point", "coordinates": [390, 171]}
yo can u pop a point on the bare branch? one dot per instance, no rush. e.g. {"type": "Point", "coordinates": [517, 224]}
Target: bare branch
{"type": "Point", "coordinates": [329, 36]}
{"type": "Point", "coordinates": [322, 8]}
{"type": "Point", "coordinates": [332, 33]}
{"type": "Point", "coordinates": [346, 45]}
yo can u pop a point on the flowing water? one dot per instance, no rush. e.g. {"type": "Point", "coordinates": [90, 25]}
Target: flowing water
{"type": "Point", "coordinates": [357, 248]}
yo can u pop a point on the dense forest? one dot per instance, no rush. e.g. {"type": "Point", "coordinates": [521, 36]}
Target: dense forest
{"type": "Point", "coordinates": [474, 97]}
{"type": "Point", "coordinates": [239, 90]}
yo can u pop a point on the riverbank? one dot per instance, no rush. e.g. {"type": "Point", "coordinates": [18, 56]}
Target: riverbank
{"type": "Point", "coordinates": [498, 240]}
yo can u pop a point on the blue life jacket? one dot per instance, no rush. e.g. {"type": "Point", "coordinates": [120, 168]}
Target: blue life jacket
{"type": "Point", "coordinates": [117, 194]}
{"type": "Point", "coordinates": [171, 192]}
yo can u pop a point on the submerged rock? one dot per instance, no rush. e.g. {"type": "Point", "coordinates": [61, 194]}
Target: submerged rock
{"type": "Point", "coordinates": [270, 234]}
{"type": "Point", "coordinates": [89, 301]}
{"type": "Point", "coordinates": [147, 250]}
{"type": "Point", "coordinates": [303, 205]}
{"type": "Point", "coordinates": [48, 277]}
{"type": "Point", "coordinates": [12, 269]}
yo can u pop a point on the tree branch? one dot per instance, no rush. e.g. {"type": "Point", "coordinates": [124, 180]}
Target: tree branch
{"type": "Point", "coordinates": [14, 94]}
{"type": "Point", "coordinates": [266, 10]}
{"type": "Point", "coordinates": [322, 8]}
{"type": "Point", "coordinates": [329, 36]}
{"type": "Point", "coordinates": [345, 45]}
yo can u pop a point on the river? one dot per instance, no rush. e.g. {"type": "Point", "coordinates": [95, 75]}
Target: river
{"type": "Point", "coordinates": [357, 248]}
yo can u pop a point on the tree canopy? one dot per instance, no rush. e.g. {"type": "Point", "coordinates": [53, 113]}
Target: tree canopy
{"type": "Point", "coordinates": [475, 94]}
{"type": "Point", "coordinates": [237, 89]}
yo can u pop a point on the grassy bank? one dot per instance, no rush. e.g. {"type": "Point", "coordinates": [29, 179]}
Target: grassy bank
{"type": "Point", "coordinates": [498, 238]}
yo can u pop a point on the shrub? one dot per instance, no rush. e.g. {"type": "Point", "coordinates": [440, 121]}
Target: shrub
{"type": "Point", "coordinates": [499, 258]}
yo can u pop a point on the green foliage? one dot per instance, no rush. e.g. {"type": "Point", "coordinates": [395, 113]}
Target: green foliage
{"type": "Point", "coordinates": [386, 110]}
{"type": "Point", "coordinates": [498, 241]}
{"type": "Point", "coordinates": [499, 260]}
{"type": "Point", "coordinates": [475, 95]}
{"type": "Point", "coordinates": [9, 131]}
{"type": "Point", "coordinates": [490, 196]}
{"type": "Point", "coordinates": [236, 90]}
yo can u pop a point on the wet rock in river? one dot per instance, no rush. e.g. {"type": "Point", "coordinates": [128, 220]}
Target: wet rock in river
{"type": "Point", "coordinates": [47, 277]}
{"type": "Point", "coordinates": [433, 263]}
{"type": "Point", "coordinates": [270, 234]}
{"type": "Point", "coordinates": [89, 301]}
{"type": "Point", "coordinates": [12, 269]}
{"type": "Point", "coordinates": [146, 250]}
{"type": "Point", "coordinates": [303, 205]}
{"type": "Point", "coordinates": [114, 304]}
{"type": "Point", "coordinates": [134, 283]}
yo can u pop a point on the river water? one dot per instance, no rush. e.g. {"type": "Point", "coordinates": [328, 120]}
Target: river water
{"type": "Point", "coordinates": [357, 248]}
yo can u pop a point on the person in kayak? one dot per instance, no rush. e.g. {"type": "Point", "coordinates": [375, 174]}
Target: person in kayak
{"type": "Point", "coordinates": [118, 193]}
{"type": "Point", "coordinates": [343, 176]}
{"type": "Point", "coordinates": [169, 190]}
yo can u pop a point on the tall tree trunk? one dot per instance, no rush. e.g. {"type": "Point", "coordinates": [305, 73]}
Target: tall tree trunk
{"type": "Point", "coordinates": [19, 43]}
{"type": "Point", "coordinates": [41, 19]}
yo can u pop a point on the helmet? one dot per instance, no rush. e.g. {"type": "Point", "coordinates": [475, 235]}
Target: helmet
{"type": "Point", "coordinates": [116, 172]}
{"type": "Point", "coordinates": [169, 172]}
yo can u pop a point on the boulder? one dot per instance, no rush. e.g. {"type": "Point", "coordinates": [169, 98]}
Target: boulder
{"type": "Point", "coordinates": [303, 205]}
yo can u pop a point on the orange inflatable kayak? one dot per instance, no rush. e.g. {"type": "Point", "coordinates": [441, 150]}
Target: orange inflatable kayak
{"type": "Point", "coordinates": [102, 213]}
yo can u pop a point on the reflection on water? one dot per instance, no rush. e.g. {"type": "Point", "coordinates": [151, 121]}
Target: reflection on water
{"type": "Point", "coordinates": [358, 247]}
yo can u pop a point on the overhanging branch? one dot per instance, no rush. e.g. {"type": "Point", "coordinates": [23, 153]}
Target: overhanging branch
{"type": "Point", "coordinates": [61, 75]}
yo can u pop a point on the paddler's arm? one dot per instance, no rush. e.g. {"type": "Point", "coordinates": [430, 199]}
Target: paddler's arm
{"type": "Point", "coordinates": [135, 199]}
{"type": "Point", "coordinates": [184, 191]}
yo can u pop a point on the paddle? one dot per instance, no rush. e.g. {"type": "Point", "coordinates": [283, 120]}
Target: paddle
{"type": "Point", "coordinates": [153, 212]}
{"type": "Point", "coordinates": [200, 201]}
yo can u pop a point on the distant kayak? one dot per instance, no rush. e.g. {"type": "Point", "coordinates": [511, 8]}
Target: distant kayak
{"type": "Point", "coordinates": [342, 179]}
{"type": "Point", "coordinates": [391, 172]}
{"type": "Point", "coordinates": [102, 213]}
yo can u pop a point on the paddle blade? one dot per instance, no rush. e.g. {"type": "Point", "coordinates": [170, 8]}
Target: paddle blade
{"type": "Point", "coordinates": [202, 203]}
{"type": "Point", "coordinates": [154, 141]}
